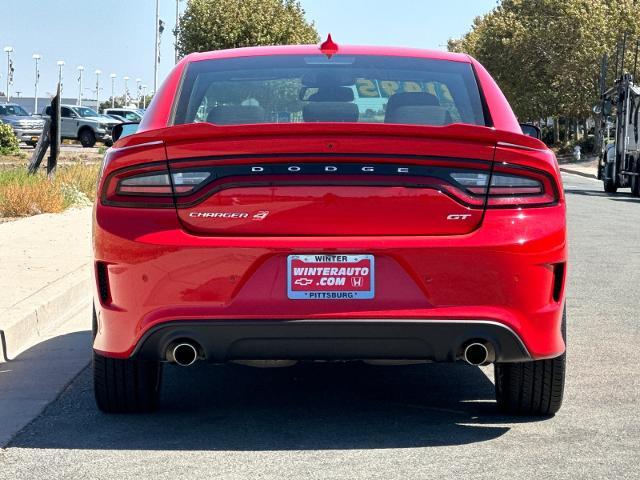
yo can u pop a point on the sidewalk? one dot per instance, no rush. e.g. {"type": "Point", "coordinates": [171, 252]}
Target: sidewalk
{"type": "Point", "coordinates": [585, 168]}
{"type": "Point", "coordinates": [44, 275]}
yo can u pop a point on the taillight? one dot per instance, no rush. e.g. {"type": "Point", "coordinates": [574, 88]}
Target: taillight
{"type": "Point", "coordinates": [187, 183]}
{"type": "Point", "coordinates": [150, 186]}
{"type": "Point", "coordinates": [516, 186]}
{"type": "Point", "coordinates": [510, 186]}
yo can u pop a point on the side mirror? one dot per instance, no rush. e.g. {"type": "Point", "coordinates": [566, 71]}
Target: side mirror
{"type": "Point", "coordinates": [531, 130]}
{"type": "Point", "coordinates": [122, 130]}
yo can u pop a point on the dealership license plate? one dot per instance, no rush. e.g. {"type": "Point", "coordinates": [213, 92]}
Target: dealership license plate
{"type": "Point", "coordinates": [330, 277]}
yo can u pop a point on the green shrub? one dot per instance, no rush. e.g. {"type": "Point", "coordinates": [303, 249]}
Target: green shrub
{"type": "Point", "coordinates": [9, 144]}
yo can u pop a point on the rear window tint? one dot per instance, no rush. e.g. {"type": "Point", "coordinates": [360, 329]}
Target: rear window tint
{"type": "Point", "coordinates": [303, 88]}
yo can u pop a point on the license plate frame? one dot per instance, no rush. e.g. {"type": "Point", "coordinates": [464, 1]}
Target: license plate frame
{"type": "Point", "coordinates": [309, 285]}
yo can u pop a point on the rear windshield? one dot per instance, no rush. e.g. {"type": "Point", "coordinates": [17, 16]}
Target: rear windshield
{"type": "Point", "coordinates": [303, 88]}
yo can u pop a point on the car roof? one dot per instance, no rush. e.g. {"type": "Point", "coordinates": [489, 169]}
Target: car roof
{"type": "Point", "coordinates": [315, 50]}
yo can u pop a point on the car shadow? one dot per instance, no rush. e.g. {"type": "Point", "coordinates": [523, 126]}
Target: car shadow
{"type": "Point", "coordinates": [305, 407]}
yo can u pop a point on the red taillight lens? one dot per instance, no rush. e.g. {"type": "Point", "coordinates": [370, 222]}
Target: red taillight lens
{"type": "Point", "coordinates": [154, 184]}
{"type": "Point", "coordinates": [150, 186]}
{"type": "Point", "coordinates": [510, 186]}
{"type": "Point", "coordinates": [515, 186]}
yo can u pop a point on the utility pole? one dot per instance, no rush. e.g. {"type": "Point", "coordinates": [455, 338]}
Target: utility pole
{"type": "Point", "coordinates": [60, 64]}
{"type": "Point", "coordinates": [177, 30]}
{"type": "Point", "coordinates": [157, 53]}
{"type": "Point", "coordinates": [37, 58]}
{"type": "Point", "coordinates": [113, 90]}
{"type": "Point", "coordinates": [98, 73]}
{"type": "Point", "coordinates": [8, 51]}
{"type": "Point", "coordinates": [80, 71]}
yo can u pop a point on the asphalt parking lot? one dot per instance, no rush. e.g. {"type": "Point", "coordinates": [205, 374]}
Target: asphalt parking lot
{"type": "Point", "coordinates": [328, 421]}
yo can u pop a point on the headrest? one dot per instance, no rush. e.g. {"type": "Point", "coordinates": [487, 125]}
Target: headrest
{"type": "Point", "coordinates": [236, 115]}
{"type": "Point", "coordinates": [330, 112]}
{"type": "Point", "coordinates": [419, 115]}
{"type": "Point", "coordinates": [332, 94]}
{"type": "Point", "coordinates": [411, 99]}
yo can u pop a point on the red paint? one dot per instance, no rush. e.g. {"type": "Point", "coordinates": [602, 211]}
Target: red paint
{"type": "Point", "coordinates": [166, 265]}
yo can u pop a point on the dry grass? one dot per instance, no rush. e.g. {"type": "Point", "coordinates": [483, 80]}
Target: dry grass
{"type": "Point", "coordinates": [23, 195]}
{"type": "Point", "coordinates": [83, 177]}
{"type": "Point", "coordinates": [30, 199]}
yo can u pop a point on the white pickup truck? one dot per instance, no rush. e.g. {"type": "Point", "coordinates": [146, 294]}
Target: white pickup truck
{"type": "Point", "coordinates": [84, 124]}
{"type": "Point", "coordinates": [27, 127]}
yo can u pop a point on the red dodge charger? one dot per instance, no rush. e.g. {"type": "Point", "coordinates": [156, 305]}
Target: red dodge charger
{"type": "Point", "coordinates": [301, 203]}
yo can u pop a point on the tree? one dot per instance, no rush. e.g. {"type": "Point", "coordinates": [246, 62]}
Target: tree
{"type": "Point", "coordinates": [545, 54]}
{"type": "Point", "coordinates": [219, 24]}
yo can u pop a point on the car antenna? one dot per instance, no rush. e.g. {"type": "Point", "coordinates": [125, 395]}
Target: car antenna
{"type": "Point", "coordinates": [329, 47]}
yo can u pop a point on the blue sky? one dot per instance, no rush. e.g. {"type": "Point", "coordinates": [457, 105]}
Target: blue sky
{"type": "Point", "coordinates": [117, 36]}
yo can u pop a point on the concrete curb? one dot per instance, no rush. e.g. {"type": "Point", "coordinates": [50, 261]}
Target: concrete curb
{"type": "Point", "coordinates": [578, 172]}
{"type": "Point", "coordinates": [29, 320]}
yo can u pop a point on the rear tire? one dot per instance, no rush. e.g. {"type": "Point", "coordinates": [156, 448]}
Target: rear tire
{"type": "Point", "coordinates": [610, 185]}
{"type": "Point", "coordinates": [635, 180]}
{"type": "Point", "coordinates": [531, 388]}
{"type": "Point", "coordinates": [126, 385]}
{"type": "Point", "coordinates": [87, 138]}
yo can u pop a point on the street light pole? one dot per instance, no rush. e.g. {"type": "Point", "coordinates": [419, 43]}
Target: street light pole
{"type": "Point", "coordinates": [80, 70]}
{"type": "Point", "coordinates": [8, 51]}
{"type": "Point", "coordinates": [60, 64]}
{"type": "Point", "coordinates": [113, 90]}
{"type": "Point", "coordinates": [126, 91]}
{"type": "Point", "coordinates": [98, 73]}
{"type": "Point", "coordinates": [138, 83]}
{"type": "Point", "coordinates": [144, 97]}
{"type": "Point", "coordinates": [37, 58]}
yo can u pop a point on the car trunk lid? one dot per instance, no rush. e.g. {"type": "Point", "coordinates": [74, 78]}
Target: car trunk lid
{"type": "Point", "coordinates": [330, 179]}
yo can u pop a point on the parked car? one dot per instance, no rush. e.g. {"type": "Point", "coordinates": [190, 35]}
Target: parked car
{"type": "Point", "coordinates": [116, 117]}
{"type": "Point", "coordinates": [26, 127]}
{"type": "Point", "coordinates": [430, 229]}
{"type": "Point", "coordinates": [130, 115]}
{"type": "Point", "coordinates": [84, 124]}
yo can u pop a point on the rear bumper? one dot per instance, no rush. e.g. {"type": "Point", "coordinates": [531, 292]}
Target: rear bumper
{"type": "Point", "coordinates": [399, 339]}
{"type": "Point", "coordinates": [158, 275]}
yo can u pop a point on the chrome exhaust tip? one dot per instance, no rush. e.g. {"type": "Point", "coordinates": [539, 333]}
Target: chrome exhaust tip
{"type": "Point", "coordinates": [476, 353]}
{"type": "Point", "coordinates": [183, 354]}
